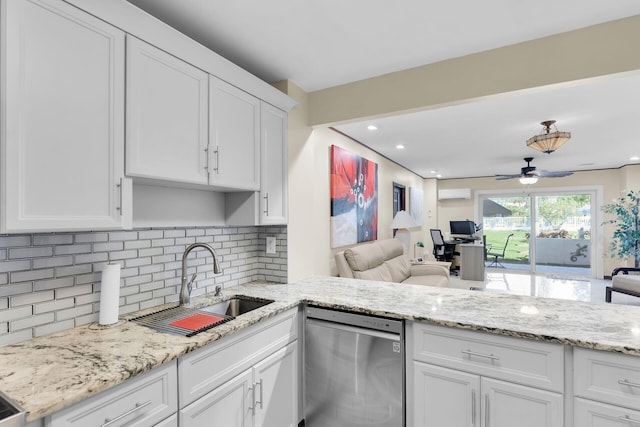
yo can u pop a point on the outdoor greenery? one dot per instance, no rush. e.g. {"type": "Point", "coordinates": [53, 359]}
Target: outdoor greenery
{"type": "Point", "coordinates": [518, 249]}
{"type": "Point", "coordinates": [625, 241]}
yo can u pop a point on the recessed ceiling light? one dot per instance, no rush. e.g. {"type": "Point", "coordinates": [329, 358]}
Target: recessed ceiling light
{"type": "Point", "coordinates": [372, 127]}
{"type": "Point", "coordinates": [400, 147]}
{"type": "Point", "coordinates": [439, 176]}
{"type": "Point", "coordinates": [434, 171]}
{"type": "Point", "coordinates": [634, 158]}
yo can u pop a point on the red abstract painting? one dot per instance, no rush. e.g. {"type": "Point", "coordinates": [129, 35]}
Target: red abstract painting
{"type": "Point", "coordinates": [354, 198]}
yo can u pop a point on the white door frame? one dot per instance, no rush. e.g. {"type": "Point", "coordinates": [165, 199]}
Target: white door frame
{"type": "Point", "coordinates": [596, 191]}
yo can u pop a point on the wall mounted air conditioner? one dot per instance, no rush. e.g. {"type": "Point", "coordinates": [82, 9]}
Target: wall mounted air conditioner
{"type": "Point", "coordinates": [454, 193]}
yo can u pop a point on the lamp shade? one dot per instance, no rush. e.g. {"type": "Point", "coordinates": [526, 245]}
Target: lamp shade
{"type": "Point", "coordinates": [548, 141]}
{"type": "Point", "coordinates": [403, 220]}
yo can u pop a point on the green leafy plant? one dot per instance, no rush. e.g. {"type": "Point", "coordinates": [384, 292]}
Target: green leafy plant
{"type": "Point", "coordinates": [625, 241]}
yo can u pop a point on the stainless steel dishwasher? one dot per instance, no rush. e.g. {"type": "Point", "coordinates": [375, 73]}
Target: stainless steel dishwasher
{"type": "Point", "coordinates": [354, 370]}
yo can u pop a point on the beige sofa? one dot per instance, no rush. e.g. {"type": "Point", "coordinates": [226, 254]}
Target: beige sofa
{"type": "Point", "coordinates": [383, 260]}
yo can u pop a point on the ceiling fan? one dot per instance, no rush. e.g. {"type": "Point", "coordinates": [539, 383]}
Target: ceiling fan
{"type": "Point", "coordinates": [529, 174]}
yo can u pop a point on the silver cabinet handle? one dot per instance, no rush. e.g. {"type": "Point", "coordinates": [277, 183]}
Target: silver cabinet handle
{"type": "Point", "coordinates": [628, 419]}
{"type": "Point", "coordinates": [108, 422]}
{"type": "Point", "coordinates": [473, 408]}
{"type": "Point", "coordinates": [252, 389]}
{"type": "Point", "coordinates": [628, 383]}
{"type": "Point", "coordinates": [121, 188]}
{"type": "Point", "coordinates": [470, 353]}
{"type": "Point", "coordinates": [259, 383]}
{"type": "Point", "coordinates": [266, 203]}
{"type": "Point", "coordinates": [217, 153]}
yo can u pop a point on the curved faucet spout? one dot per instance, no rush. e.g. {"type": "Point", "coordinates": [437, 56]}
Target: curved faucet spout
{"type": "Point", "coordinates": [185, 289]}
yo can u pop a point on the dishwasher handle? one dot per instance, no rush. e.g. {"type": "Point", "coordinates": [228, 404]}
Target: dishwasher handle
{"type": "Point", "coordinates": [353, 329]}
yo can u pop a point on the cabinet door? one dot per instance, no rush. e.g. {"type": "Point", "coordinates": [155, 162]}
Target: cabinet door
{"type": "Point", "coordinates": [589, 413]}
{"type": "Point", "coordinates": [273, 180]}
{"type": "Point", "coordinates": [230, 405]}
{"type": "Point", "coordinates": [276, 388]}
{"type": "Point", "coordinates": [444, 397]}
{"type": "Point", "coordinates": [167, 107]}
{"type": "Point", "coordinates": [63, 146]}
{"type": "Point", "coordinates": [507, 405]}
{"type": "Point", "coordinates": [234, 137]}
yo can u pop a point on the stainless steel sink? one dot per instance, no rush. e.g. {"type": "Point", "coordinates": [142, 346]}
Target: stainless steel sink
{"type": "Point", "coordinates": [165, 320]}
{"type": "Point", "coordinates": [236, 306]}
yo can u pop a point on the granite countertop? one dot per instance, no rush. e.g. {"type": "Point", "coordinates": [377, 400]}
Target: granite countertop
{"type": "Point", "coordinates": [49, 373]}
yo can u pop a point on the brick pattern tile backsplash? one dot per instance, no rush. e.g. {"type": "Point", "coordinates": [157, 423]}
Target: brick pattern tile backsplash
{"type": "Point", "coordinates": [51, 281]}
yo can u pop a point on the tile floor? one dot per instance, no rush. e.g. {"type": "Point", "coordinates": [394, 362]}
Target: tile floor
{"type": "Point", "coordinates": [550, 285]}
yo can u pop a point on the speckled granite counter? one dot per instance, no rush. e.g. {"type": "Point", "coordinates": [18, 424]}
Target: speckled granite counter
{"type": "Point", "coordinates": [48, 373]}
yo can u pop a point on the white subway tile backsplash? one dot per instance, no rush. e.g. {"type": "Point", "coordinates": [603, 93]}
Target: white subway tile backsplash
{"type": "Point", "coordinates": [51, 281]}
{"type": "Point", "coordinates": [73, 291]}
{"type": "Point", "coordinates": [39, 331]}
{"type": "Point", "coordinates": [31, 299]}
{"type": "Point", "coordinates": [31, 321]}
{"type": "Point", "coordinates": [52, 239]}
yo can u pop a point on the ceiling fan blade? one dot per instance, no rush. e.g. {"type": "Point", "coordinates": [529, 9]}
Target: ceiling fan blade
{"type": "Point", "coordinates": [501, 177]}
{"type": "Point", "coordinates": [557, 174]}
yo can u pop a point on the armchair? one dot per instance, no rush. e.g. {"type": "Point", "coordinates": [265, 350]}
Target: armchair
{"type": "Point", "coordinates": [624, 282]}
{"type": "Point", "coordinates": [384, 260]}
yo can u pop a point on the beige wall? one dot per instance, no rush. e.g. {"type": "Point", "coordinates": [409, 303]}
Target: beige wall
{"type": "Point", "coordinates": [612, 181]}
{"type": "Point", "coordinates": [309, 231]}
{"type": "Point", "coordinates": [592, 52]}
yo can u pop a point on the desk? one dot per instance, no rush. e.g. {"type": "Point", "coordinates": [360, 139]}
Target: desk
{"type": "Point", "coordinates": [472, 261]}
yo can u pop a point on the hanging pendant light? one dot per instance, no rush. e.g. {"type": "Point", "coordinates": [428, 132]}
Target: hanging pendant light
{"type": "Point", "coordinates": [548, 141]}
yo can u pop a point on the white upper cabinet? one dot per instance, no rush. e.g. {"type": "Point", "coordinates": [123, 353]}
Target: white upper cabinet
{"type": "Point", "coordinates": [234, 137]}
{"type": "Point", "coordinates": [273, 181]}
{"type": "Point", "coordinates": [167, 105]}
{"type": "Point", "coordinates": [63, 139]}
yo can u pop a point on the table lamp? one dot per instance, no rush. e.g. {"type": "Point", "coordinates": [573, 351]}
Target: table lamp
{"type": "Point", "coordinates": [402, 221]}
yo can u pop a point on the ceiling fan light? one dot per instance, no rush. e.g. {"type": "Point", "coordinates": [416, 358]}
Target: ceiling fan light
{"type": "Point", "coordinates": [548, 142]}
{"type": "Point", "coordinates": [528, 180]}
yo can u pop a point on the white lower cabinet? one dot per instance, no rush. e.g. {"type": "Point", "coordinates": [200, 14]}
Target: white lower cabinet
{"type": "Point", "coordinates": [264, 395]}
{"type": "Point", "coordinates": [142, 401]}
{"type": "Point", "coordinates": [460, 378]}
{"type": "Point", "coordinates": [607, 389]}
{"type": "Point", "coordinates": [445, 397]}
{"type": "Point", "coordinates": [250, 378]}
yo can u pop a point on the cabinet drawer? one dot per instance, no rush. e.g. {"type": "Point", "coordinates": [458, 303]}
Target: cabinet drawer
{"type": "Point", "coordinates": [141, 401]}
{"type": "Point", "coordinates": [513, 359]}
{"type": "Point", "coordinates": [209, 367]}
{"type": "Point", "coordinates": [608, 377]}
{"type": "Point", "coordinates": [595, 414]}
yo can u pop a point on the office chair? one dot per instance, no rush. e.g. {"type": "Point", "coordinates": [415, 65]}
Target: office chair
{"type": "Point", "coordinates": [441, 251]}
{"type": "Point", "coordinates": [496, 254]}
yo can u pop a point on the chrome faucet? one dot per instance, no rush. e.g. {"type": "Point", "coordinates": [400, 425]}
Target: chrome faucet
{"type": "Point", "coordinates": [185, 289]}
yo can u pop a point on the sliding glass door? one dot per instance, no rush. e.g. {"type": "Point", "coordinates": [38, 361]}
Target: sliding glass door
{"type": "Point", "coordinates": [563, 233]}
{"type": "Point", "coordinates": [544, 232]}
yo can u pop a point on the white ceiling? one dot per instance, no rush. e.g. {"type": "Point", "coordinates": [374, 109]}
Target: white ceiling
{"type": "Point", "coordinates": [332, 42]}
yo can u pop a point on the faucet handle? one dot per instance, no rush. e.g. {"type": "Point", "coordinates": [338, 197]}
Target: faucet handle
{"type": "Point", "coordinates": [190, 284]}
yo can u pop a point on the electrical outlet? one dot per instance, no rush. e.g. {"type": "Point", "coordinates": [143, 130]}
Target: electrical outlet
{"type": "Point", "coordinates": [271, 245]}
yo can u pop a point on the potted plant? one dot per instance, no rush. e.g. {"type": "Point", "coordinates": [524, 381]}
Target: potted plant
{"type": "Point", "coordinates": [625, 241]}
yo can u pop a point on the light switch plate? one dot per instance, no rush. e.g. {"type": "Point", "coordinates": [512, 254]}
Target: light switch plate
{"type": "Point", "coordinates": [271, 245]}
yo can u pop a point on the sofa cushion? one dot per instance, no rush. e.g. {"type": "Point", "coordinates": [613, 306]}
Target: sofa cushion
{"type": "Point", "coordinates": [391, 248]}
{"type": "Point", "coordinates": [399, 268]}
{"type": "Point", "coordinates": [364, 257]}
{"type": "Point", "coordinates": [627, 282]}
{"type": "Point", "coordinates": [430, 280]}
{"type": "Point", "coordinates": [380, 273]}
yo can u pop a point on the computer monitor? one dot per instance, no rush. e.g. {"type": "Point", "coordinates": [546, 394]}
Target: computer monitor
{"type": "Point", "coordinates": [462, 228]}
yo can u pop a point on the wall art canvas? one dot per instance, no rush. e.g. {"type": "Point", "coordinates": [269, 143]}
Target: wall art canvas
{"type": "Point", "coordinates": [417, 205]}
{"type": "Point", "coordinates": [354, 198]}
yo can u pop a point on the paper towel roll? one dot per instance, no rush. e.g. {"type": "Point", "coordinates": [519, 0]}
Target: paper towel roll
{"type": "Point", "coordinates": [110, 294]}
